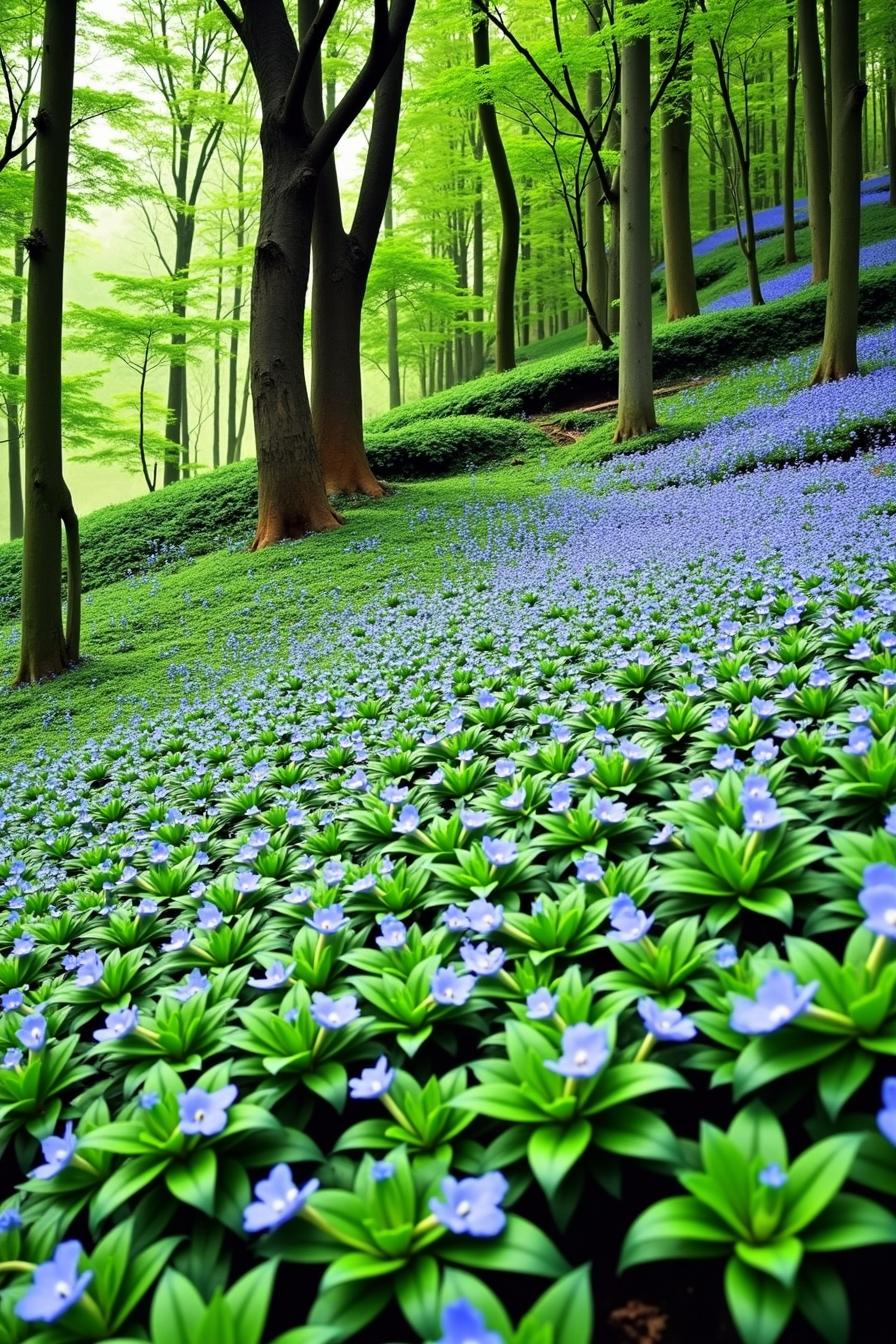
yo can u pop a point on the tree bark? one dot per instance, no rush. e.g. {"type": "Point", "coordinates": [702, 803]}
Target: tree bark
{"type": "Point", "coordinates": [13, 408]}
{"type": "Point", "coordinates": [392, 357]}
{"type": "Point", "coordinates": [595, 231]}
{"type": "Point", "coordinates": [613, 252]}
{"type": "Point", "coordinates": [236, 316]}
{"type": "Point", "coordinates": [636, 414]}
{"type": "Point", "coordinates": [816, 131]}
{"type": "Point", "coordinates": [790, 146]}
{"type": "Point", "coordinates": [891, 133]}
{"type": "Point", "coordinates": [838, 352]}
{"type": "Point", "coordinates": [342, 261]}
{"type": "Point", "coordinates": [46, 650]}
{"type": "Point", "coordinates": [505, 342]}
{"type": "Point", "coordinates": [675, 181]}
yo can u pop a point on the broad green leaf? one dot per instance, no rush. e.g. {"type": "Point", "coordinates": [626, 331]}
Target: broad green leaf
{"type": "Point", "coordinates": [760, 1306]}
{"type": "Point", "coordinates": [193, 1181]}
{"type": "Point", "coordinates": [554, 1150]}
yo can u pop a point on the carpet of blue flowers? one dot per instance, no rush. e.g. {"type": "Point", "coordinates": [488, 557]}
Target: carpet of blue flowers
{"type": "Point", "coordinates": [566, 902]}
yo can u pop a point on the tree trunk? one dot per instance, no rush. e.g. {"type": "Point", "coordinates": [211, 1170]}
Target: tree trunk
{"type": "Point", "coordinates": [13, 409]}
{"type": "Point", "coordinates": [636, 414]}
{"type": "Point", "coordinates": [177, 369]}
{"type": "Point", "coordinates": [838, 352]}
{"type": "Point", "coordinates": [613, 252]}
{"type": "Point", "coordinates": [292, 500]}
{"type": "Point", "coordinates": [675, 180]}
{"type": "Point", "coordinates": [816, 130]}
{"type": "Point", "coordinates": [712, 204]}
{"type": "Point", "coordinates": [891, 133]}
{"type": "Point", "coordinates": [773, 132]}
{"type": "Point", "coordinates": [216, 365]}
{"type": "Point", "coordinates": [790, 146]}
{"type": "Point", "coordinates": [478, 340]}
{"type": "Point", "coordinates": [392, 326]}
{"type": "Point", "coordinates": [46, 650]}
{"type": "Point", "coordinates": [236, 316]}
{"type": "Point", "coordinates": [505, 342]}
{"type": "Point", "coordinates": [595, 232]}
{"type": "Point", "coordinates": [828, 74]}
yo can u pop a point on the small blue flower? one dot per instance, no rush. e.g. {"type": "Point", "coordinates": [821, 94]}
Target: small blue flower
{"type": "Point", "coordinates": [779, 999]}
{"type": "Point", "coordinates": [58, 1152]}
{"type": "Point", "coordinates": [484, 917]}
{"type": "Point", "coordinates": [541, 1004]}
{"type": "Point", "coordinates": [473, 821]}
{"type": "Point", "coordinates": [159, 852]}
{"type": "Point", "coordinates": [447, 987]}
{"type": "Point", "coordinates": [147, 907]}
{"type": "Point", "coordinates": [609, 813]}
{"type": "Point", "coordinates": [9, 1220]}
{"type": "Point", "coordinates": [585, 1052]}
{"type": "Point", "coordinates": [407, 820]}
{"type": "Point", "coordinates": [666, 1024]}
{"type": "Point", "coordinates": [22, 946]}
{"type": "Point", "coordinates": [33, 1032]}
{"type": "Point", "coordinates": [482, 959]}
{"type": "Point", "coordinates": [560, 799]}
{"type": "Point", "coordinates": [148, 1100]}
{"type": "Point", "coordinates": [629, 923]}
{"type": "Point", "coordinates": [382, 1170]}
{"type": "Point", "coordinates": [12, 1000]}
{"type": "Point", "coordinates": [90, 970]}
{"type": "Point", "coordinates": [208, 916]}
{"type": "Point", "coordinates": [12, 1058]}
{"type": "Point", "coordinates": [462, 1323]}
{"type": "Point", "coordinates": [277, 1199]}
{"type": "Point", "coordinates": [328, 919]}
{"type": "Point", "coordinates": [878, 898]}
{"type": "Point", "coordinates": [374, 1082]}
{"type": "Point", "coordinates": [393, 933]}
{"type": "Point", "coordinates": [275, 977]}
{"type": "Point", "coordinates": [886, 1116]}
{"type": "Point", "coordinates": [703, 788]}
{"type": "Point", "coordinates": [178, 940]}
{"type": "Point", "coordinates": [118, 1025]}
{"type": "Point", "coordinates": [331, 1014]}
{"type": "Point", "coordinates": [499, 853]}
{"type": "Point", "coordinates": [472, 1206]}
{"type": "Point", "coordinates": [725, 956]}
{"type": "Point", "coordinates": [56, 1285]}
{"type": "Point", "coordinates": [761, 814]}
{"type": "Point", "coordinates": [204, 1112]}
{"type": "Point", "coordinates": [589, 868]}
{"type": "Point", "coordinates": [456, 919]}
{"type": "Point", "coordinates": [772, 1176]}
{"type": "Point", "coordinates": [195, 983]}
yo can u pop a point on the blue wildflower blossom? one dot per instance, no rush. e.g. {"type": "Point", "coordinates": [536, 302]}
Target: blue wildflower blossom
{"type": "Point", "coordinates": [10, 1219]}
{"type": "Point", "coordinates": [277, 1199]}
{"type": "Point", "coordinates": [449, 988]}
{"type": "Point", "coordinates": [878, 898]}
{"type": "Point", "coordinates": [541, 1003]}
{"type": "Point", "coordinates": [772, 1176]}
{"type": "Point", "coordinates": [726, 956]}
{"type": "Point", "coordinates": [456, 919]}
{"type": "Point", "coordinates": [383, 1170]}
{"type": "Point", "coordinates": [462, 1323]}
{"type": "Point", "coordinates": [499, 853]}
{"type": "Point", "coordinates": [482, 959]}
{"type": "Point", "coordinates": [13, 999]}
{"type": "Point", "coordinates": [58, 1151]}
{"type": "Point", "coordinates": [328, 919]}
{"type": "Point", "coordinates": [666, 1024]}
{"type": "Point", "coordinates": [275, 977]}
{"type": "Point", "coordinates": [589, 868]}
{"type": "Point", "coordinates": [629, 924]}
{"type": "Point", "coordinates": [118, 1025]}
{"type": "Point", "coordinates": [373, 1082]}
{"type": "Point", "coordinates": [472, 1206]}
{"type": "Point", "coordinates": [56, 1285]}
{"type": "Point", "coordinates": [585, 1052]}
{"type": "Point", "coordinates": [195, 983]}
{"type": "Point", "coordinates": [204, 1112]}
{"type": "Point", "coordinates": [393, 933]}
{"type": "Point", "coordinates": [33, 1032]}
{"type": "Point", "coordinates": [779, 999]}
{"type": "Point", "coordinates": [407, 820]}
{"type": "Point", "coordinates": [331, 1014]}
{"type": "Point", "coordinates": [886, 1116]}
{"type": "Point", "coordinates": [90, 970]}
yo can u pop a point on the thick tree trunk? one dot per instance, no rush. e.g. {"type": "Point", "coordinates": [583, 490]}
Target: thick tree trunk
{"type": "Point", "coordinates": [13, 409]}
{"type": "Point", "coordinates": [613, 252]}
{"type": "Point", "coordinates": [816, 129]}
{"type": "Point", "coordinates": [675, 181]}
{"type": "Point", "coordinates": [46, 650]}
{"type": "Point", "coordinates": [838, 352]}
{"type": "Point", "coordinates": [505, 342]}
{"type": "Point", "coordinates": [595, 232]}
{"type": "Point", "coordinates": [636, 414]}
{"type": "Point", "coordinates": [790, 146]}
{"type": "Point", "coordinates": [292, 500]}
{"type": "Point", "coordinates": [828, 75]}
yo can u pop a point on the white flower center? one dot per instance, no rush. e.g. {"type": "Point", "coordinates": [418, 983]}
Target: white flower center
{"type": "Point", "coordinates": [580, 1058]}
{"type": "Point", "coordinates": [63, 1290]}
{"type": "Point", "coordinates": [890, 917]}
{"type": "Point", "coordinates": [463, 1208]}
{"type": "Point", "coordinates": [780, 1013]}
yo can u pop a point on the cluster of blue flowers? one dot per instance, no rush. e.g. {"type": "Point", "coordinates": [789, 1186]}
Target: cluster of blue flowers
{"type": "Point", "coordinates": [790, 282]}
{"type": "Point", "coordinates": [384, 967]}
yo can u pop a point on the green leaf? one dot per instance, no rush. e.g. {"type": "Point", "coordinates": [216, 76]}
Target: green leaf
{"type": "Point", "coordinates": [850, 1221]}
{"type": "Point", "coordinates": [123, 1183]}
{"type": "Point", "coordinates": [566, 1307]}
{"type": "Point", "coordinates": [822, 1299]}
{"type": "Point", "coordinates": [347, 1310]}
{"type": "Point", "coordinates": [177, 1311]}
{"type": "Point", "coordinates": [193, 1181]}
{"type": "Point", "coordinates": [417, 1291]}
{"type": "Point", "coordinates": [502, 1101]}
{"type": "Point", "coordinates": [356, 1265]}
{"type": "Point", "coordinates": [554, 1150]}
{"type": "Point", "coordinates": [249, 1300]}
{"type": "Point", "coordinates": [842, 1076]}
{"type": "Point", "coordinates": [760, 1306]}
{"type": "Point", "coordinates": [815, 1178]}
{"type": "Point", "coordinates": [521, 1248]}
{"type": "Point", "coordinates": [780, 1259]}
{"type": "Point", "coordinates": [141, 1273]}
{"type": "Point", "coordinates": [769, 1057]}
{"type": "Point", "coordinates": [676, 1228]}
{"type": "Point", "coordinates": [457, 1283]}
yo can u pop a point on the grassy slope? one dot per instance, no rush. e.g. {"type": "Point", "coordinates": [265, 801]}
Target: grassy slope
{"type": "Point", "coordinates": [727, 266]}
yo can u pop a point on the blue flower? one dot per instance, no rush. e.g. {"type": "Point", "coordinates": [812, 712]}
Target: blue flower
{"type": "Point", "coordinates": [331, 1014]}
{"type": "Point", "coordinates": [148, 1100]}
{"type": "Point", "coordinates": [56, 1285]}
{"type": "Point", "coordinates": [373, 1082]}
{"type": "Point", "coordinates": [9, 1220]}
{"type": "Point", "coordinates": [609, 813]}
{"type": "Point", "coordinates": [204, 1112]}
{"type": "Point", "coordinates": [277, 1199]}
{"type": "Point", "coordinates": [589, 868]}
{"type": "Point", "coordinates": [90, 970]}
{"type": "Point", "coordinates": [703, 788]}
{"type": "Point", "coordinates": [473, 821]}
{"type": "Point", "coordinates": [22, 946]}
{"type": "Point", "coordinates": [328, 919]}
{"type": "Point", "coordinates": [878, 898]}
{"type": "Point", "coordinates": [629, 923]}
{"type": "Point", "coordinates": [779, 999]}
{"type": "Point", "coordinates": [666, 1024]}
{"type": "Point", "coordinates": [58, 1152]}
{"type": "Point", "coordinates": [484, 917]}
{"type": "Point", "coordinates": [886, 1116]}
{"type": "Point", "coordinates": [14, 998]}
{"type": "Point", "coordinates": [472, 1206]}
{"type": "Point", "coordinates": [275, 977]}
{"type": "Point", "coordinates": [447, 987]}
{"type": "Point", "coordinates": [195, 983]}
{"type": "Point", "coordinates": [178, 940]}
{"type": "Point", "coordinates": [482, 959]}
{"type": "Point", "coordinates": [12, 1058]}
{"type": "Point", "coordinates": [585, 1052]}
{"type": "Point", "coordinates": [407, 821]}
{"type": "Point", "coordinates": [382, 1170]}
{"type": "Point", "coordinates": [208, 916]}
{"type": "Point", "coordinates": [456, 919]}
{"type": "Point", "coordinates": [761, 814]}
{"type": "Point", "coordinates": [393, 933]}
{"type": "Point", "coordinates": [118, 1025]}
{"type": "Point", "coordinates": [499, 853]}
{"type": "Point", "coordinates": [33, 1032]}
{"type": "Point", "coordinates": [541, 1004]}
{"type": "Point", "coordinates": [560, 798]}
{"type": "Point", "coordinates": [725, 956]}
{"type": "Point", "coordinates": [159, 852]}
{"type": "Point", "coordinates": [772, 1176]}
{"type": "Point", "coordinates": [147, 907]}
{"type": "Point", "coordinates": [462, 1323]}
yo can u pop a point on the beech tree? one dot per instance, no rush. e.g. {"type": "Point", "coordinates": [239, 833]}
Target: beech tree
{"type": "Point", "coordinates": [292, 499]}
{"type": "Point", "coordinates": [46, 649]}
{"type": "Point", "coordinates": [815, 122]}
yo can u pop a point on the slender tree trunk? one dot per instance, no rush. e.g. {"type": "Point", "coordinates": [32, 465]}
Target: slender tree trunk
{"type": "Point", "coordinates": [595, 233]}
{"type": "Point", "coordinates": [13, 409]}
{"type": "Point", "coordinates": [773, 132]}
{"type": "Point", "coordinates": [236, 317]}
{"type": "Point", "coordinates": [46, 650]}
{"type": "Point", "coordinates": [613, 252]}
{"type": "Point", "coordinates": [828, 75]}
{"type": "Point", "coordinates": [176, 456]}
{"type": "Point", "coordinates": [392, 353]}
{"type": "Point", "coordinates": [216, 367]}
{"type": "Point", "coordinates": [838, 352]}
{"type": "Point", "coordinates": [292, 500]}
{"type": "Point", "coordinates": [816, 130]}
{"type": "Point", "coordinates": [478, 343]}
{"type": "Point", "coordinates": [891, 132]}
{"type": "Point", "coordinates": [741, 143]}
{"type": "Point", "coordinates": [713, 200]}
{"type": "Point", "coordinates": [789, 146]}
{"type": "Point", "coordinates": [636, 414]}
{"type": "Point", "coordinates": [675, 181]}
{"type": "Point", "coordinates": [505, 351]}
